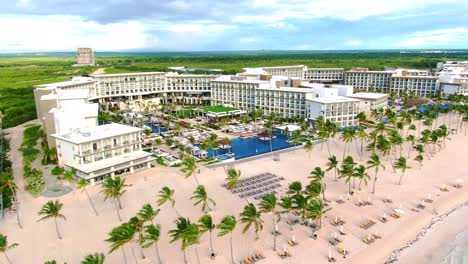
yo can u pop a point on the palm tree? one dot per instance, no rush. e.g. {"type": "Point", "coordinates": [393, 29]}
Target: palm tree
{"type": "Point", "coordinates": [295, 188]}
{"type": "Point", "coordinates": [120, 236]}
{"type": "Point", "coordinates": [362, 175]}
{"type": "Point", "coordinates": [269, 205]}
{"type": "Point", "coordinates": [314, 210]}
{"type": "Point", "coordinates": [82, 184]}
{"type": "Point", "coordinates": [333, 164]}
{"type": "Point", "coordinates": [403, 166]}
{"type": "Point", "coordinates": [269, 128]}
{"type": "Point", "coordinates": [52, 210]}
{"type": "Point", "coordinates": [384, 146]}
{"type": "Point", "coordinates": [308, 146]}
{"type": "Point", "coordinates": [251, 216]}
{"type": "Point", "coordinates": [96, 258]}
{"type": "Point", "coordinates": [147, 213]}
{"type": "Point", "coordinates": [411, 139]}
{"type": "Point", "coordinates": [201, 197]}
{"type": "Point", "coordinates": [287, 204]}
{"type": "Point", "coordinates": [346, 172]}
{"type": "Point", "coordinates": [375, 163]}
{"type": "Point", "coordinates": [189, 167]}
{"type": "Point", "coordinates": [167, 195]}
{"type": "Point", "coordinates": [206, 224]}
{"type": "Point", "coordinates": [4, 246]}
{"type": "Point", "coordinates": [227, 226]}
{"type": "Point", "coordinates": [419, 158]}
{"type": "Point", "coordinates": [151, 237]}
{"type": "Point", "coordinates": [7, 183]}
{"type": "Point", "coordinates": [114, 188]}
{"type": "Point", "coordinates": [363, 136]}
{"type": "Point", "coordinates": [318, 175]}
{"type": "Point", "coordinates": [233, 177]}
{"type": "Point", "coordinates": [348, 135]}
{"type": "Point", "coordinates": [186, 232]}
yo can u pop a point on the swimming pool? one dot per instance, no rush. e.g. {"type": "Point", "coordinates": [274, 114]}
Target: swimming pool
{"type": "Point", "coordinates": [248, 147]}
{"type": "Point", "coordinates": [156, 128]}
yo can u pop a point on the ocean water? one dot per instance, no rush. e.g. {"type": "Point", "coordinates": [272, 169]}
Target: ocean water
{"type": "Point", "coordinates": [455, 252]}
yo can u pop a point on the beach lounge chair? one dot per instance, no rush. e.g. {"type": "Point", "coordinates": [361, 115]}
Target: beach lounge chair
{"type": "Point", "coordinates": [343, 252]}
{"type": "Point", "coordinates": [282, 254]}
{"type": "Point", "coordinates": [368, 240]}
{"type": "Point", "coordinates": [292, 243]}
{"type": "Point", "coordinates": [444, 189]}
{"type": "Point", "coordinates": [458, 185]}
{"type": "Point", "coordinates": [340, 201]}
{"type": "Point", "coordinates": [376, 236]}
{"type": "Point", "coordinates": [386, 200]}
{"type": "Point", "coordinates": [383, 219]}
{"type": "Point", "coordinates": [331, 259]}
{"type": "Point", "coordinates": [395, 215]}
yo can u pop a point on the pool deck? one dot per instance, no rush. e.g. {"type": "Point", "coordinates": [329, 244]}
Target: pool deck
{"type": "Point", "coordinates": [259, 156]}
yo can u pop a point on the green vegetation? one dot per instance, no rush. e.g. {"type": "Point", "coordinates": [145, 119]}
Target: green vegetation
{"type": "Point", "coordinates": [218, 109]}
{"type": "Point", "coordinates": [18, 75]}
{"type": "Point", "coordinates": [20, 72]}
{"type": "Point", "coordinates": [6, 199]}
{"type": "Point", "coordinates": [34, 181]}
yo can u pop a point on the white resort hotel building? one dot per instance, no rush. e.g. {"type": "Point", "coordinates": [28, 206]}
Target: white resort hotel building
{"type": "Point", "coordinates": [102, 151]}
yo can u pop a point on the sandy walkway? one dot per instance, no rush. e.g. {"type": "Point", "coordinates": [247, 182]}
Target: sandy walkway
{"type": "Point", "coordinates": [85, 233]}
{"type": "Point", "coordinates": [99, 71]}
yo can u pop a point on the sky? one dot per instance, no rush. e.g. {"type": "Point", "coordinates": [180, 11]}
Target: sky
{"type": "Point", "coordinates": [223, 25]}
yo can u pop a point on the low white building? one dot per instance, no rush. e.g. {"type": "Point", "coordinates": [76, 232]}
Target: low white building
{"type": "Point", "coordinates": [102, 151]}
{"type": "Point", "coordinates": [340, 110]}
{"type": "Point", "coordinates": [370, 101]}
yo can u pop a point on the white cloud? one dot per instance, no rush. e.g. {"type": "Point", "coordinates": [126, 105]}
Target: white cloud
{"type": "Point", "coordinates": [64, 33]}
{"type": "Point", "coordinates": [353, 43]}
{"type": "Point", "coordinates": [433, 38]}
{"type": "Point", "coordinates": [274, 11]}
{"type": "Point", "coordinates": [196, 27]}
{"type": "Point", "coordinates": [248, 40]}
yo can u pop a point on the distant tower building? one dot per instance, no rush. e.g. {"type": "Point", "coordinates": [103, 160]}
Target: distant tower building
{"type": "Point", "coordinates": [85, 57]}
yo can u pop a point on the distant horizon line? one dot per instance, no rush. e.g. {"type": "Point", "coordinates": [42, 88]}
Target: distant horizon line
{"type": "Point", "coordinates": [435, 50]}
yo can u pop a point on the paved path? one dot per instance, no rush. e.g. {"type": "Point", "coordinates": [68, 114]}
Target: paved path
{"type": "Point", "coordinates": [100, 71]}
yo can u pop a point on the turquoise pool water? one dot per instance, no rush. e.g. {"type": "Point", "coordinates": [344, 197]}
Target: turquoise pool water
{"type": "Point", "coordinates": [248, 147]}
{"type": "Point", "coordinates": [157, 128]}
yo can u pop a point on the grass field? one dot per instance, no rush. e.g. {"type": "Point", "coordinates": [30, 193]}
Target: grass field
{"type": "Point", "coordinates": [218, 109]}
{"type": "Point", "coordinates": [19, 72]}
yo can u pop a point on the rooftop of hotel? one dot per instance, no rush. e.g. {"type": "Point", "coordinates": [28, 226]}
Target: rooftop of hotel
{"type": "Point", "coordinates": [333, 99]}
{"type": "Point", "coordinates": [126, 74]}
{"type": "Point", "coordinates": [73, 81]}
{"type": "Point", "coordinates": [369, 95]}
{"type": "Point", "coordinates": [95, 133]}
{"type": "Point", "coordinates": [67, 95]}
{"type": "Point", "coordinates": [288, 89]}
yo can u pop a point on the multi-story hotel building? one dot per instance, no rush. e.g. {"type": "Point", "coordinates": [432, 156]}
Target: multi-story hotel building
{"type": "Point", "coordinates": [341, 110]}
{"type": "Point", "coordinates": [102, 151]}
{"type": "Point", "coordinates": [85, 57]}
{"type": "Point", "coordinates": [285, 101]}
{"type": "Point", "coordinates": [421, 86]}
{"type": "Point", "coordinates": [285, 71]}
{"type": "Point", "coordinates": [236, 91]}
{"type": "Point", "coordinates": [127, 86]}
{"type": "Point", "coordinates": [364, 80]}
{"type": "Point", "coordinates": [370, 101]}
{"type": "Point", "coordinates": [324, 75]}
{"type": "Point", "coordinates": [189, 89]}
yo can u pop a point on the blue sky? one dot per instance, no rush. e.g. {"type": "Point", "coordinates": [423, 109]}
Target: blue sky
{"type": "Point", "coordinates": [155, 25]}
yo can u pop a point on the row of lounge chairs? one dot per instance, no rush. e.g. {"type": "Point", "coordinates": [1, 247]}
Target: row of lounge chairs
{"type": "Point", "coordinates": [363, 203]}
{"type": "Point", "coordinates": [334, 241]}
{"type": "Point", "coordinates": [366, 224]}
{"type": "Point", "coordinates": [284, 253]}
{"type": "Point", "coordinates": [258, 197]}
{"type": "Point", "coordinates": [253, 259]}
{"type": "Point", "coordinates": [257, 185]}
{"type": "Point", "coordinates": [338, 222]}
{"type": "Point", "coordinates": [262, 191]}
{"type": "Point", "coordinates": [369, 239]}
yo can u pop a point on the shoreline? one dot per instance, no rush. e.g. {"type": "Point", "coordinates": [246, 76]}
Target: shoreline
{"type": "Point", "coordinates": [396, 254]}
